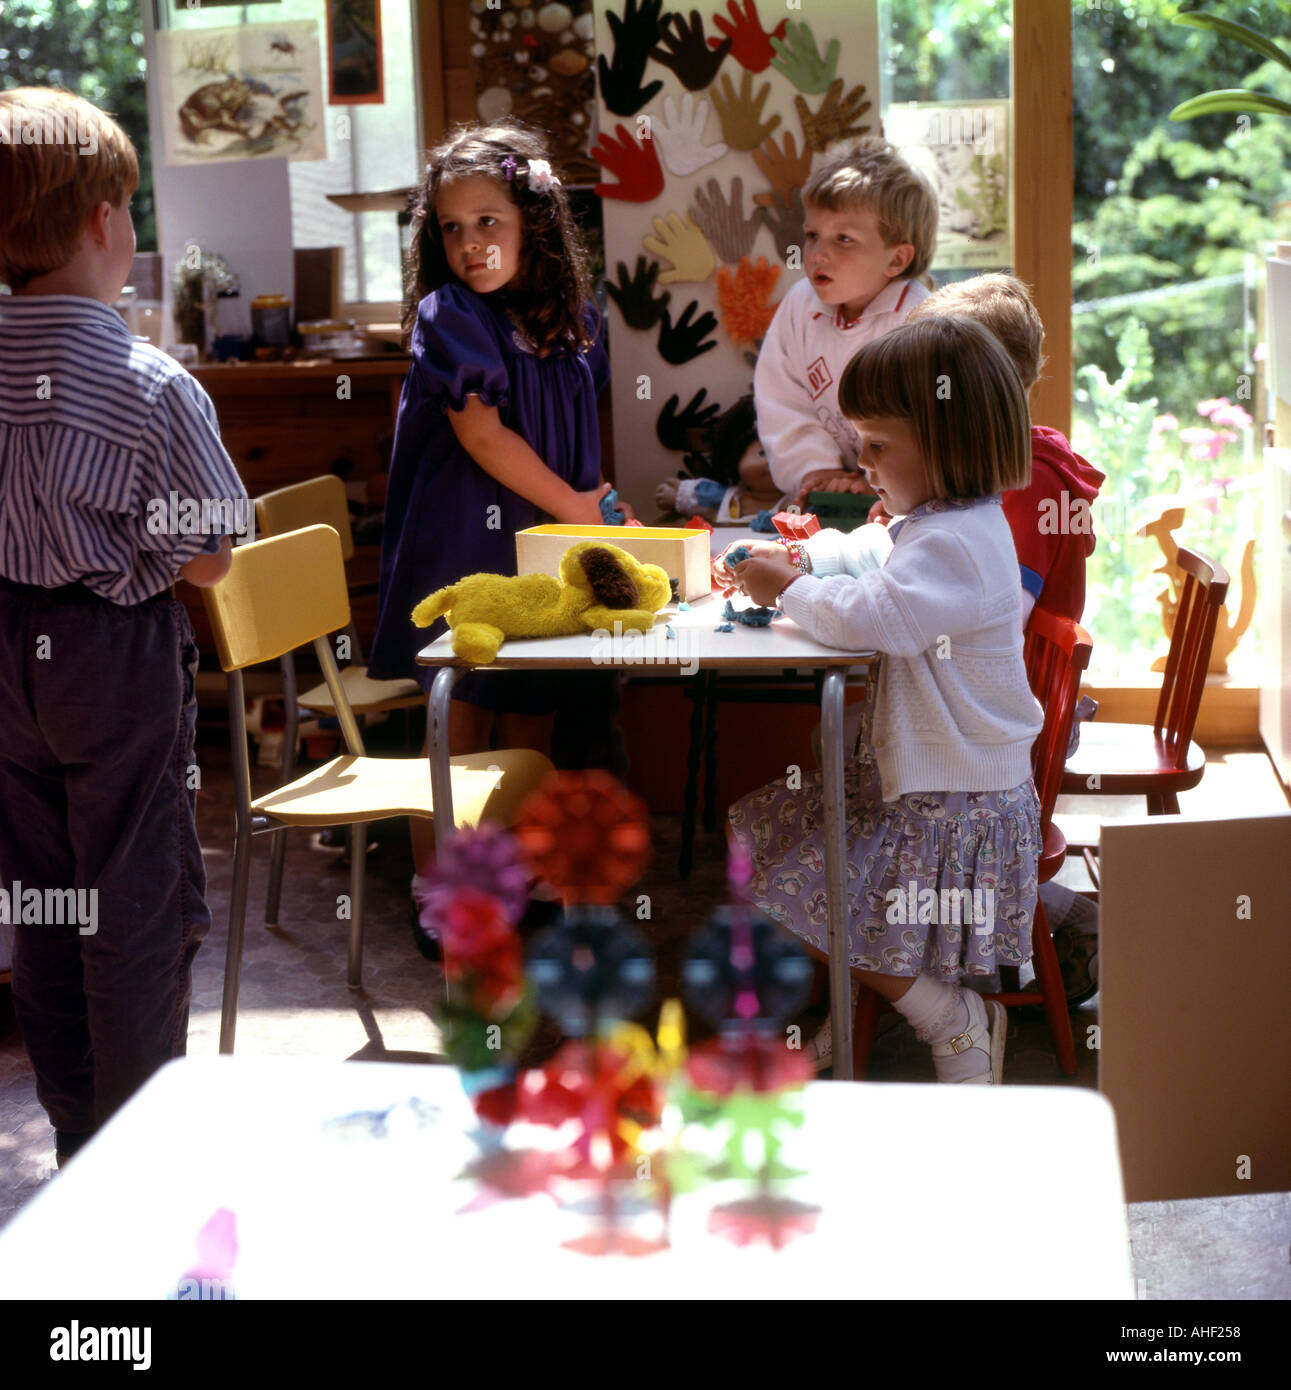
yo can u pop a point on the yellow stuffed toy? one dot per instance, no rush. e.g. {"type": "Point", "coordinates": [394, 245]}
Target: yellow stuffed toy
{"type": "Point", "coordinates": [599, 585]}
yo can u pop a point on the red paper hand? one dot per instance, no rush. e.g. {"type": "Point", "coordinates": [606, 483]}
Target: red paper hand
{"type": "Point", "coordinates": [750, 43]}
{"type": "Point", "coordinates": [634, 161]}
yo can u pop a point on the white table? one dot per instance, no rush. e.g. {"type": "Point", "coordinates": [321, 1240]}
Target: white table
{"type": "Point", "coordinates": [695, 645]}
{"type": "Point", "coordinates": [921, 1190]}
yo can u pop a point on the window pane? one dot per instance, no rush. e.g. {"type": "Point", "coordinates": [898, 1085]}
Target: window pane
{"type": "Point", "coordinates": [1170, 218]}
{"type": "Point", "coordinates": [370, 148]}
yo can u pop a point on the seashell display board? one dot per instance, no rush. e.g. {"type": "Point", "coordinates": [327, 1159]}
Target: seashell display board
{"type": "Point", "coordinates": [537, 63]}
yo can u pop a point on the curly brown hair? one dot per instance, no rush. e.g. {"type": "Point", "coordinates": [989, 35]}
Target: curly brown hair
{"type": "Point", "coordinates": [553, 287]}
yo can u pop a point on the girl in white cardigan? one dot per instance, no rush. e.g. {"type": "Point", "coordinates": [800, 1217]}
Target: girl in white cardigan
{"type": "Point", "coordinates": [943, 825]}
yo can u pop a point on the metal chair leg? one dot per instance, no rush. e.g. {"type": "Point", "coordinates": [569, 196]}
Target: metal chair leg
{"type": "Point", "coordinates": [710, 754]}
{"type": "Point", "coordinates": [865, 1022]}
{"type": "Point", "coordinates": [698, 693]}
{"type": "Point", "coordinates": [237, 924]}
{"type": "Point", "coordinates": [278, 851]}
{"type": "Point", "coordinates": [358, 865]}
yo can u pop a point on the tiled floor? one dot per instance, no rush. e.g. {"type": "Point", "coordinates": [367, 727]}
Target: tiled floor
{"type": "Point", "coordinates": [294, 1000]}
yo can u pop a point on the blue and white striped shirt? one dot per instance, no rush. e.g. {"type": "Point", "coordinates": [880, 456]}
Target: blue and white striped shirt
{"type": "Point", "coordinates": [103, 440]}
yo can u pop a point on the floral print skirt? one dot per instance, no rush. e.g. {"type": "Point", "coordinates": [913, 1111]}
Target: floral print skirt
{"type": "Point", "coordinates": [936, 881]}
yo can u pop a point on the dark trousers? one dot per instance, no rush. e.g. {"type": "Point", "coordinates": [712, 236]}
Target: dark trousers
{"type": "Point", "coordinates": [97, 721]}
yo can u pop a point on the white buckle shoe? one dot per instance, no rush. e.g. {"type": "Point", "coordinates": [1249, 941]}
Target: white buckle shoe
{"type": "Point", "coordinates": [987, 1027]}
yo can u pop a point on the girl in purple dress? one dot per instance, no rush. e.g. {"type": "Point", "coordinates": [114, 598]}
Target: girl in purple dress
{"type": "Point", "coordinates": [497, 426]}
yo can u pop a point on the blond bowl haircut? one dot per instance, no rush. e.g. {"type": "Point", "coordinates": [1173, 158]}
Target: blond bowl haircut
{"type": "Point", "coordinates": [1001, 302]}
{"type": "Point", "coordinates": [871, 175]}
{"type": "Point", "coordinates": [954, 384]}
{"type": "Point", "coordinates": [60, 156]}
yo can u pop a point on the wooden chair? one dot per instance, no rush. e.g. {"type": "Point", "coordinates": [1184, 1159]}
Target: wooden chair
{"type": "Point", "coordinates": [279, 594]}
{"type": "Point", "coordinates": [1160, 760]}
{"type": "Point", "coordinates": [322, 502]}
{"type": "Point", "coordinates": [1056, 651]}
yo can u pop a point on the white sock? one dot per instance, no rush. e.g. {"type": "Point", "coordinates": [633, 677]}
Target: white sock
{"type": "Point", "coordinates": [939, 1011]}
{"type": "Point", "coordinates": [1068, 910]}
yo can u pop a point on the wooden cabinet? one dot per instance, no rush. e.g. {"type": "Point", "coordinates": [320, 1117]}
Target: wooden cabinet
{"type": "Point", "coordinates": [283, 422]}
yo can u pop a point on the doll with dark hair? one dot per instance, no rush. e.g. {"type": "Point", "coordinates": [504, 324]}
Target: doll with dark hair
{"type": "Point", "coordinates": [730, 483]}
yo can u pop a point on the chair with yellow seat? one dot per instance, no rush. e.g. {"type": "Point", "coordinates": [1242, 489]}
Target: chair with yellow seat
{"type": "Point", "coordinates": [279, 594]}
{"type": "Point", "coordinates": [322, 502]}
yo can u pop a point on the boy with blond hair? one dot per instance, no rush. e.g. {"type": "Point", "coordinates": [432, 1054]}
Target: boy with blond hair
{"type": "Point", "coordinates": [869, 232]}
{"type": "Point", "coordinates": [97, 703]}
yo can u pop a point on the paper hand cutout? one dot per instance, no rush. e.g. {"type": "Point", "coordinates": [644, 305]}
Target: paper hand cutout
{"type": "Point", "coordinates": [799, 59]}
{"type": "Point", "coordinates": [687, 53]}
{"type": "Point", "coordinates": [635, 295]}
{"type": "Point", "coordinates": [834, 120]}
{"type": "Point", "coordinates": [741, 116]}
{"type": "Point", "coordinates": [730, 233]}
{"type": "Point", "coordinates": [673, 426]}
{"type": "Point", "coordinates": [682, 244]}
{"type": "Point", "coordinates": [633, 36]}
{"type": "Point", "coordinates": [743, 299]}
{"type": "Point", "coordinates": [684, 340]}
{"type": "Point", "coordinates": [785, 169]}
{"type": "Point", "coordinates": [680, 134]}
{"type": "Point", "coordinates": [750, 43]}
{"type": "Point", "coordinates": [785, 223]}
{"type": "Point", "coordinates": [634, 161]}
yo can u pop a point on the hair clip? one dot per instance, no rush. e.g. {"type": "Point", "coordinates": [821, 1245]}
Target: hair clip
{"type": "Point", "coordinates": [509, 167]}
{"type": "Point", "coordinates": [540, 177]}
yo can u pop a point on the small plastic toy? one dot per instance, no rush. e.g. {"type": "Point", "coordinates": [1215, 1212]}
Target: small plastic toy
{"type": "Point", "coordinates": [609, 513]}
{"type": "Point", "coordinates": [795, 526]}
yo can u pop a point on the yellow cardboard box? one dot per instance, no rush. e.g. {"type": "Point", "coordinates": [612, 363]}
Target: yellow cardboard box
{"type": "Point", "coordinates": [681, 552]}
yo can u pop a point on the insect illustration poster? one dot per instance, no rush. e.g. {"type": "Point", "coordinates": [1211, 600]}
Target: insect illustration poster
{"type": "Point", "coordinates": [963, 148]}
{"type": "Point", "coordinates": [244, 92]}
{"type": "Point", "coordinates": [710, 122]}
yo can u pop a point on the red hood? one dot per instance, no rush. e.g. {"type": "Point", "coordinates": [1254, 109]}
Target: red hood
{"type": "Point", "coordinates": [1079, 476]}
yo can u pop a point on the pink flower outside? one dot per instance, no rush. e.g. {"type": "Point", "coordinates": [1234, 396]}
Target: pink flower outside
{"type": "Point", "coordinates": [1232, 416]}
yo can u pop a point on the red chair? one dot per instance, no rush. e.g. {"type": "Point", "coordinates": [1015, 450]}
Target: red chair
{"type": "Point", "coordinates": [1159, 761]}
{"type": "Point", "coordinates": [1056, 651]}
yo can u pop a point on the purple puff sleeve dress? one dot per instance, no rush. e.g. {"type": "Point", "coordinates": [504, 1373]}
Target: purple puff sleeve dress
{"type": "Point", "coordinates": [445, 516]}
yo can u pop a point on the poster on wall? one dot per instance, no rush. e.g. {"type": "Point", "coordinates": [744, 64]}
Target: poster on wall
{"type": "Point", "coordinates": [355, 73]}
{"type": "Point", "coordinates": [245, 92]}
{"type": "Point", "coordinates": [709, 126]}
{"type": "Point", "coordinates": [963, 148]}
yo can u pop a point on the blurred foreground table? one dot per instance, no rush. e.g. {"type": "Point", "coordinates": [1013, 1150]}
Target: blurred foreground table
{"type": "Point", "coordinates": [343, 1177]}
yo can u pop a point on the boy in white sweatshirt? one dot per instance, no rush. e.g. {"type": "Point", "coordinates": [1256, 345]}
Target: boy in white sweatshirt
{"type": "Point", "coordinates": [870, 229]}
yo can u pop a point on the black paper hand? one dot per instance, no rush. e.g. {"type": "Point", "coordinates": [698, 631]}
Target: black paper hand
{"type": "Point", "coordinates": [683, 340]}
{"type": "Point", "coordinates": [673, 427]}
{"type": "Point", "coordinates": [687, 52]}
{"type": "Point", "coordinates": [635, 294]}
{"type": "Point", "coordinates": [634, 36]}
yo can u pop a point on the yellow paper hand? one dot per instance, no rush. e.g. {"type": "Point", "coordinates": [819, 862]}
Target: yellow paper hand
{"type": "Point", "coordinates": [684, 245]}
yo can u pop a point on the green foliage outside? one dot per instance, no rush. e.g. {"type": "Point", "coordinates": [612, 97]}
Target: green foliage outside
{"type": "Point", "coordinates": [1159, 206]}
{"type": "Point", "coordinates": [95, 49]}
